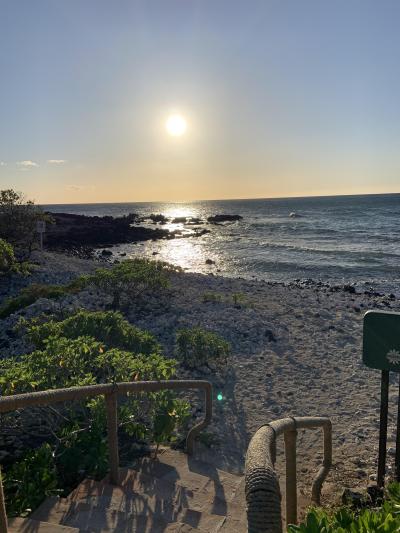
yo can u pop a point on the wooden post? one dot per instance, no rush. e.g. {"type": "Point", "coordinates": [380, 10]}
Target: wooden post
{"type": "Point", "coordinates": [397, 458]}
{"type": "Point", "coordinates": [3, 514]}
{"type": "Point", "coordinates": [383, 428]}
{"type": "Point", "coordinates": [290, 437]}
{"type": "Point", "coordinates": [112, 427]}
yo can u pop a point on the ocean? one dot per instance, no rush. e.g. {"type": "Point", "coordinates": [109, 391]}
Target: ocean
{"type": "Point", "coordinates": [339, 240]}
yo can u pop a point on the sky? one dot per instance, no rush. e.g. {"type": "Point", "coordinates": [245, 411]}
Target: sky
{"type": "Point", "coordinates": [281, 98]}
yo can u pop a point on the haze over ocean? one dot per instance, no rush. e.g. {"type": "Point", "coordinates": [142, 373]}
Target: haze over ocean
{"type": "Point", "coordinates": [342, 239]}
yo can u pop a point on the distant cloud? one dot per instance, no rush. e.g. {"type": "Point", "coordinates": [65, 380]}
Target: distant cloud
{"type": "Point", "coordinates": [27, 164]}
{"type": "Point", "coordinates": [3, 164]}
{"type": "Point", "coordinates": [56, 161]}
{"type": "Point", "coordinates": [75, 188]}
{"type": "Point", "coordinates": [79, 188]}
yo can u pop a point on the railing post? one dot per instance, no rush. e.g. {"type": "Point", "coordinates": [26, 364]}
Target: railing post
{"type": "Point", "coordinates": [112, 429]}
{"type": "Point", "coordinates": [3, 513]}
{"type": "Point", "coordinates": [290, 437]}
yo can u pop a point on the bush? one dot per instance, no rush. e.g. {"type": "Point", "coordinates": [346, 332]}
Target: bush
{"type": "Point", "coordinates": [108, 327]}
{"type": "Point", "coordinates": [29, 295]}
{"type": "Point", "coordinates": [105, 351]}
{"type": "Point", "coordinates": [198, 347]}
{"type": "Point", "coordinates": [131, 279]}
{"type": "Point", "coordinates": [8, 261]}
{"type": "Point", "coordinates": [30, 480]}
{"type": "Point", "coordinates": [385, 519]}
{"type": "Point", "coordinates": [18, 218]}
{"type": "Point", "coordinates": [7, 258]}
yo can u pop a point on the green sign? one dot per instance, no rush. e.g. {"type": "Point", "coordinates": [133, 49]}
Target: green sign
{"type": "Point", "coordinates": [381, 340]}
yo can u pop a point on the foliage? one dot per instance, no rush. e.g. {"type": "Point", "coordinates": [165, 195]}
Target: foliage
{"type": "Point", "coordinates": [385, 519]}
{"type": "Point", "coordinates": [84, 349]}
{"type": "Point", "coordinates": [108, 327]}
{"type": "Point", "coordinates": [197, 347]}
{"type": "Point", "coordinates": [18, 218]}
{"type": "Point", "coordinates": [29, 295]}
{"type": "Point", "coordinates": [212, 297]}
{"type": "Point", "coordinates": [8, 261]}
{"type": "Point", "coordinates": [131, 279]}
{"type": "Point", "coordinates": [30, 480]}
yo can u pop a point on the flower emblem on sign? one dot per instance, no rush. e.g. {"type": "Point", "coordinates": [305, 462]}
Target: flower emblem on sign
{"type": "Point", "coordinates": [393, 356]}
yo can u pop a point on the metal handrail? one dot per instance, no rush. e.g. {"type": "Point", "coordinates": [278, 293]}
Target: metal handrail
{"type": "Point", "coordinates": [110, 391]}
{"type": "Point", "coordinates": [262, 485]}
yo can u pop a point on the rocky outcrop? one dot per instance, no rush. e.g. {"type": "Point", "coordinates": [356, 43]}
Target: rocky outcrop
{"type": "Point", "coordinates": [223, 218]}
{"type": "Point", "coordinates": [71, 231]}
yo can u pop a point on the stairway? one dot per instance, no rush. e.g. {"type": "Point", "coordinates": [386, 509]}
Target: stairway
{"type": "Point", "coordinates": [172, 494]}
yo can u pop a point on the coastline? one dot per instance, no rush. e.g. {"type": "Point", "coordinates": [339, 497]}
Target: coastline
{"type": "Point", "coordinates": [296, 350]}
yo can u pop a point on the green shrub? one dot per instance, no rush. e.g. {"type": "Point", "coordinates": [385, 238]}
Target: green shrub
{"type": "Point", "coordinates": [131, 279]}
{"type": "Point", "coordinates": [29, 295]}
{"type": "Point", "coordinates": [8, 261]}
{"type": "Point", "coordinates": [18, 218]}
{"type": "Point", "coordinates": [30, 480]}
{"type": "Point", "coordinates": [62, 358]}
{"type": "Point", "coordinates": [212, 297]}
{"type": "Point", "coordinates": [385, 518]}
{"type": "Point", "coordinates": [108, 327]}
{"type": "Point", "coordinates": [198, 347]}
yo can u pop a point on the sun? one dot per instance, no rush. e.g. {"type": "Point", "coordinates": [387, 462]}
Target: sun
{"type": "Point", "coordinates": [176, 125]}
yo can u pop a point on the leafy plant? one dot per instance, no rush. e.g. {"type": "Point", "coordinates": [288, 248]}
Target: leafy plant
{"type": "Point", "coordinates": [30, 480]}
{"type": "Point", "coordinates": [383, 519]}
{"type": "Point", "coordinates": [198, 347]}
{"type": "Point", "coordinates": [18, 218]}
{"type": "Point", "coordinates": [131, 279]}
{"type": "Point", "coordinates": [8, 261]}
{"type": "Point", "coordinates": [89, 348]}
{"type": "Point", "coordinates": [29, 295]}
{"type": "Point", "coordinates": [212, 297]}
{"type": "Point", "coordinates": [108, 327]}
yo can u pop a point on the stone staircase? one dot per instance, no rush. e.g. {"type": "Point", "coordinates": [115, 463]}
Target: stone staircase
{"type": "Point", "coordinates": [172, 494]}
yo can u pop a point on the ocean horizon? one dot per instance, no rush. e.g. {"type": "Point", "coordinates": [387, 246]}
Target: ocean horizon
{"type": "Point", "coordinates": [335, 239]}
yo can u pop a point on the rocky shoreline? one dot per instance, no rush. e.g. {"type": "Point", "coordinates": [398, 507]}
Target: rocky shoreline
{"type": "Point", "coordinates": [296, 350]}
{"type": "Point", "coordinates": [80, 235]}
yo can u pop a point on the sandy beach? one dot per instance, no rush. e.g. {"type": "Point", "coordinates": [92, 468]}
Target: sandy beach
{"type": "Point", "coordinates": [296, 350]}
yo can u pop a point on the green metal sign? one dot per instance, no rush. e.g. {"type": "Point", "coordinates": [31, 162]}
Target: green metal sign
{"type": "Point", "coordinates": [381, 340]}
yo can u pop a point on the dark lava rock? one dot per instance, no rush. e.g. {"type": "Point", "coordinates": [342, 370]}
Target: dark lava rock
{"type": "Point", "coordinates": [179, 220]}
{"type": "Point", "coordinates": [106, 252]}
{"type": "Point", "coordinates": [350, 289]}
{"type": "Point", "coordinates": [72, 231]}
{"type": "Point", "coordinates": [210, 262]}
{"type": "Point", "coordinates": [270, 335]}
{"type": "Point", "coordinates": [224, 218]}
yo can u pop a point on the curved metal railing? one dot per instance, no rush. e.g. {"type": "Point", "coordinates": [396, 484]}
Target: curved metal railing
{"type": "Point", "coordinates": [110, 391]}
{"type": "Point", "coordinates": [262, 485]}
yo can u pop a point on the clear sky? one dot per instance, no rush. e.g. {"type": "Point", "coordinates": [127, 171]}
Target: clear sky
{"type": "Point", "coordinates": [281, 98]}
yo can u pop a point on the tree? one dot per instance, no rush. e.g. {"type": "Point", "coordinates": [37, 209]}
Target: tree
{"type": "Point", "coordinates": [18, 217]}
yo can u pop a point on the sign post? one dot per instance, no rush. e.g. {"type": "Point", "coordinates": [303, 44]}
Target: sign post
{"type": "Point", "coordinates": [41, 228]}
{"type": "Point", "coordinates": [381, 350]}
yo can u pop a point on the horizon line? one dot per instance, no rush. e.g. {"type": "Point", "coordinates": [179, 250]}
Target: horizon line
{"type": "Point", "coordinates": [228, 199]}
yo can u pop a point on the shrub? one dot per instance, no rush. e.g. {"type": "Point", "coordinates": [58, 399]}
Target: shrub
{"type": "Point", "coordinates": [29, 295]}
{"type": "Point", "coordinates": [385, 519]}
{"type": "Point", "coordinates": [198, 347]}
{"type": "Point", "coordinates": [18, 218]}
{"type": "Point", "coordinates": [108, 327]}
{"type": "Point", "coordinates": [212, 297]}
{"type": "Point", "coordinates": [8, 261]}
{"type": "Point", "coordinates": [30, 480]}
{"type": "Point", "coordinates": [7, 257]}
{"type": "Point", "coordinates": [64, 358]}
{"type": "Point", "coordinates": [132, 279]}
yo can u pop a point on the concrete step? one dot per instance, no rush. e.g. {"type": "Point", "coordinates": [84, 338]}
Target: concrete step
{"type": "Point", "coordinates": [135, 514]}
{"type": "Point", "coordinates": [27, 525]}
{"type": "Point", "coordinates": [182, 470]}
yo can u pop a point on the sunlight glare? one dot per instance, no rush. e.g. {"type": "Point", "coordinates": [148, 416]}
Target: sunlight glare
{"type": "Point", "coordinates": [176, 125]}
